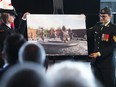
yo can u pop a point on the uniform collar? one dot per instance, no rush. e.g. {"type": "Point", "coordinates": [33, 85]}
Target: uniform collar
{"type": "Point", "coordinates": [8, 25]}
{"type": "Point", "coordinates": [107, 23]}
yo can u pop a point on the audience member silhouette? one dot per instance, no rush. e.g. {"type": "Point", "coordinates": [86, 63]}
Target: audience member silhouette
{"type": "Point", "coordinates": [10, 50]}
{"type": "Point", "coordinates": [33, 52]}
{"type": "Point", "coordinates": [25, 75]}
{"type": "Point", "coordinates": [71, 74]}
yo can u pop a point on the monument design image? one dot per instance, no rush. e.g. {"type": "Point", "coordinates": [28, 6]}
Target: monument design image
{"type": "Point", "coordinates": [59, 34]}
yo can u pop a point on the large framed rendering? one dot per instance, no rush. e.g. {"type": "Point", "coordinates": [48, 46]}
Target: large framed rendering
{"type": "Point", "coordinates": [59, 34]}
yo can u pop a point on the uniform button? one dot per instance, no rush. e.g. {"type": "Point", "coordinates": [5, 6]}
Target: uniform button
{"type": "Point", "coordinates": [99, 37]}
{"type": "Point", "coordinates": [98, 47]}
{"type": "Point", "coordinates": [98, 42]}
{"type": "Point", "coordinates": [96, 32]}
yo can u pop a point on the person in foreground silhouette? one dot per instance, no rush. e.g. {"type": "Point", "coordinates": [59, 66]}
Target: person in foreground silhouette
{"type": "Point", "coordinates": [71, 74]}
{"type": "Point", "coordinates": [24, 75]}
{"type": "Point", "coordinates": [33, 52]}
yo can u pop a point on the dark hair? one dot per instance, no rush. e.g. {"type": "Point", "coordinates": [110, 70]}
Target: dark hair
{"type": "Point", "coordinates": [106, 10]}
{"type": "Point", "coordinates": [11, 47]}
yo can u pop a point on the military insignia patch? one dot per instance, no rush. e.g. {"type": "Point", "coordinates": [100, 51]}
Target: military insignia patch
{"type": "Point", "coordinates": [114, 38]}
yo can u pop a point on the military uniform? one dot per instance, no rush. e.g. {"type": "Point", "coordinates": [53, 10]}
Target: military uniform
{"type": "Point", "coordinates": [103, 59]}
{"type": "Point", "coordinates": [105, 40]}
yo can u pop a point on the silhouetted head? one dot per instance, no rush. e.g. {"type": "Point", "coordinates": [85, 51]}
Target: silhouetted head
{"type": "Point", "coordinates": [33, 52]}
{"type": "Point", "coordinates": [24, 75]}
{"type": "Point", "coordinates": [71, 74]}
{"type": "Point", "coordinates": [11, 47]}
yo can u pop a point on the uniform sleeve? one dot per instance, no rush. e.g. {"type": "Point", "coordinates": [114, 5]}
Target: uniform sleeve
{"type": "Point", "coordinates": [2, 38]}
{"type": "Point", "coordinates": [90, 39]}
{"type": "Point", "coordinates": [22, 27]}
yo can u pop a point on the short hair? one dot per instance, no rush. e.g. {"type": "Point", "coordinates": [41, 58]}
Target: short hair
{"type": "Point", "coordinates": [24, 75]}
{"type": "Point", "coordinates": [33, 52]}
{"type": "Point", "coordinates": [11, 47]}
{"type": "Point", "coordinates": [106, 10]}
{"type": "Point", "coordinates": [71, 74]}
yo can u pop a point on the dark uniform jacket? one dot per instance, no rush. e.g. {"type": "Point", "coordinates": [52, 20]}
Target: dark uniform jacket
{"type": "Point", "coordinates": [105, 40]}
